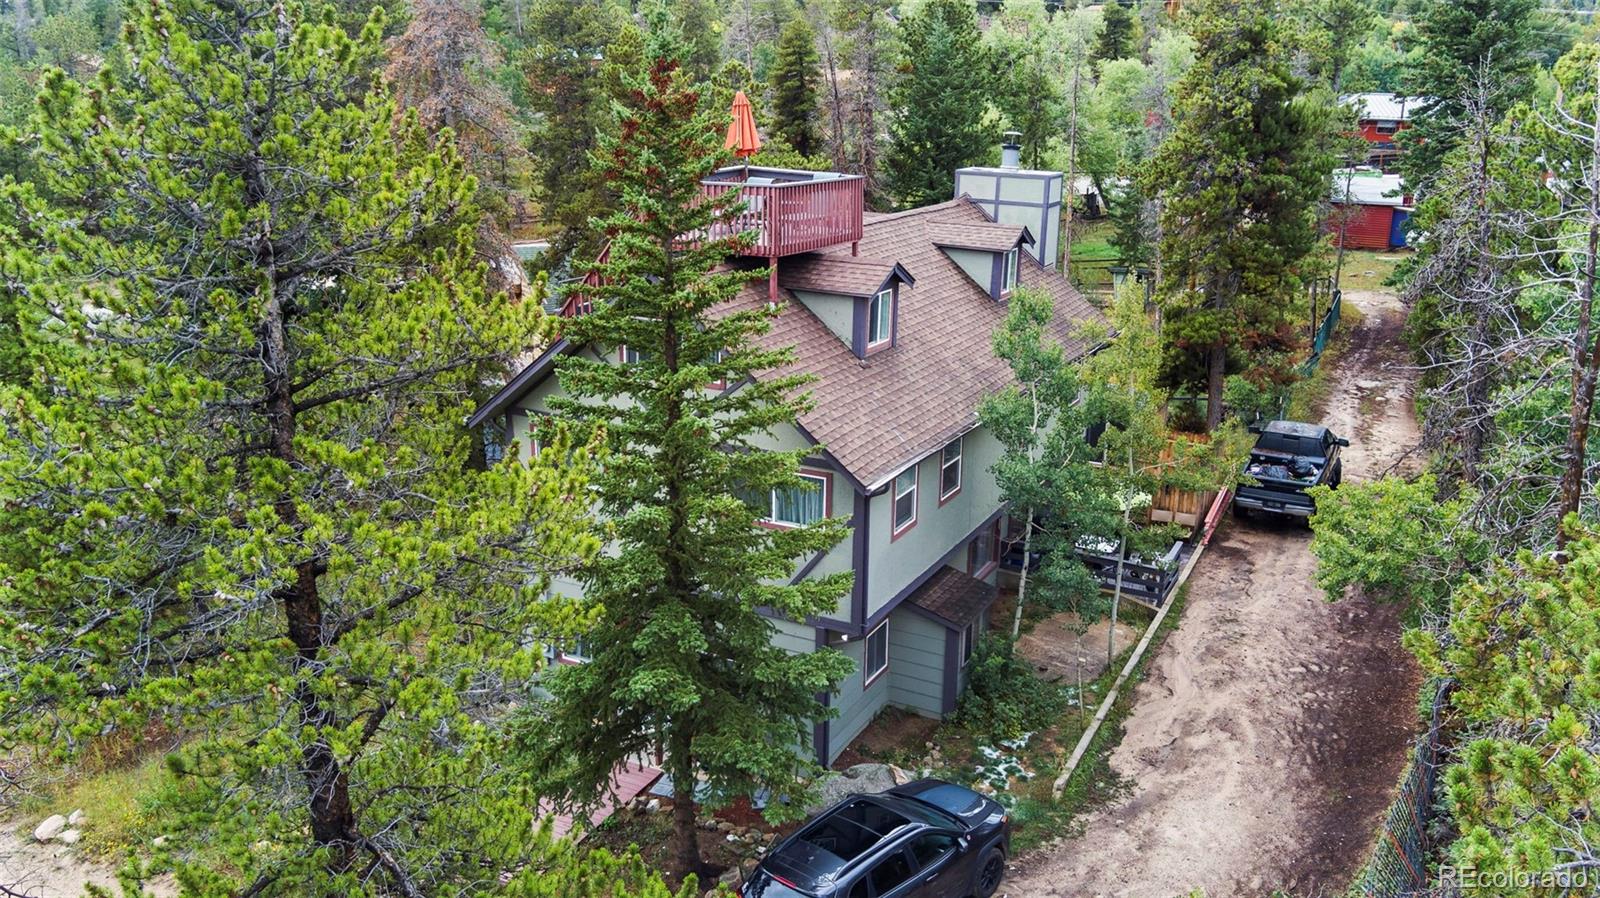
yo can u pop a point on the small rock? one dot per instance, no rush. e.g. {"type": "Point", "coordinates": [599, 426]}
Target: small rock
{"type": "Point", "coordinates": [160, 841]}
{"type": "Point", "coordinates": [48, 829]}
{"type": "Point", "coordinates": [724, 826]}
{"type": "Point", "coordinates": [729, 877]}
{"type": "Point", "coordinates": [748, 866]}
{"type": "Point", "coordinates": [769, 838]}
{"type": "Point", "coordinates": [653, 807]}
{"type": "Point", "coordinates": [69, 836]}
{"type": "Point", "coordinates": [75, 818]}
{"type": "Point", "coordinates": [710, 893]}
{"type": "Point", "coordinates": [732, 837]}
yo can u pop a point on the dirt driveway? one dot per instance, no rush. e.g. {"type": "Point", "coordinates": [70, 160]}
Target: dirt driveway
{"type": "Point", "coordinates": [1268, 738]}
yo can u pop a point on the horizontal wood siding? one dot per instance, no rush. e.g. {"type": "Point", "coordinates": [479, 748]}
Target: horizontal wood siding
{"type": "Point", "coordinates": [857, 706]}
{"type": "Point", "coordinates": [916, 663]}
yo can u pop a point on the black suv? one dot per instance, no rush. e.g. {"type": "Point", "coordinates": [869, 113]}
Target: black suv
{"type": "Point", "coordinates": [927, 839]}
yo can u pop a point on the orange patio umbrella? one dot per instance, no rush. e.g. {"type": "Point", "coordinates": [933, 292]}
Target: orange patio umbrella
{"type": "Point", "coordinates": [742, 137]}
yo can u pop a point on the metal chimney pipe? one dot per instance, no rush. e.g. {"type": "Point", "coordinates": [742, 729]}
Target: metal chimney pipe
{"type": "Point", "coordinates": [1011, 150]}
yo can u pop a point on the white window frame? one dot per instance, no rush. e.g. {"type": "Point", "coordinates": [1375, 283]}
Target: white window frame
{"type": "Point", "coordinates": [945, 463]}
{"type": "Point", "coordinates": [627, 351]}
{"type": "Point", "coordinates": [883, 301]}
{"type": "Point", "coordinates": [772, 509]}
{"type": "Point", "coordinates": [895, 495]}
{"type": "Point", "coordinates": [869, 675]}
{"type": "Point", "coordinates": [1010, 270]}
{"type": "Point", "coordinates": [969, 638]}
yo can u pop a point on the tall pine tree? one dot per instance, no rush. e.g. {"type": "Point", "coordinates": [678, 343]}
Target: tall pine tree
{"type": "Point", "coordinates": [567, 86]}
{"type": "Point", "coordinates": [682, 654]}
{"type": "Point", "coordinates": [794, 80]}
{"type": "Point", "coordinates": [1467, 49]}
{"type": "Point", "coordinates": [1240, 179]}
{"type": "Point", "coordinates": [235, 485]}
{"type": "Point", "coordinates": [1116, 34]}
{"type": "Point", "coordinates": [938, 103]}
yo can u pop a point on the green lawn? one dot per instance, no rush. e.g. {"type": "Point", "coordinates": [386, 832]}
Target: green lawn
{"type": "Point", "coordinates": [1367, 270]}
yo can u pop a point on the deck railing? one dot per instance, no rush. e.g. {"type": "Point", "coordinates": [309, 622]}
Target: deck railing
{"type": "Point", "coordinates": [794, 217]}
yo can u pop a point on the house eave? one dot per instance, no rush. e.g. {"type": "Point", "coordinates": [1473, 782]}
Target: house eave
{"type": "Point", "coordinates": [518, 386]}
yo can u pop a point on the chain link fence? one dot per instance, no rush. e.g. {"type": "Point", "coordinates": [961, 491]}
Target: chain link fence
{"type": "Point", "coordinates": [1399, 864]}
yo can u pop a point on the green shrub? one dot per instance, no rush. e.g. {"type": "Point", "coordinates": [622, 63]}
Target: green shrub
{"type": "Point", "coordinates": [1004, 699]}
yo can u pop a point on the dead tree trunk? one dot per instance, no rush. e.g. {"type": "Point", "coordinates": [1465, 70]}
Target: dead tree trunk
{"type": "Point", "coordinates": [1585, 361]}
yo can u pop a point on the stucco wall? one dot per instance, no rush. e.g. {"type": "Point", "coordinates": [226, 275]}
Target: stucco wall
{"type": "Point", "coordinates": [837, 312]}
{"type": "Point", "coordinates": [940, 529]}
{"type": "Point", "coordinates": [977, 264]}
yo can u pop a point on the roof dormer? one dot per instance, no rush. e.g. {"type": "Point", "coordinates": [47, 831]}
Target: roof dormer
{"type": "Point", "coordinates": [989, 252]}
{"type": "Point", "coordinates": [857, 297]}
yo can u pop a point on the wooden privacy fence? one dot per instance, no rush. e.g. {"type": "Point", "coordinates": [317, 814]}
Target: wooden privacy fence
{"type": "Point", "coordinates": [1399, 864]}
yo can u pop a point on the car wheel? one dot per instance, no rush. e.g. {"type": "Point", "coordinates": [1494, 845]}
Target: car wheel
{"type": "Point", "coordinates": [991, 870]}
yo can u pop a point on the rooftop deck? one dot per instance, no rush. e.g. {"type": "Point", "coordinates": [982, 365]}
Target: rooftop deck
{"type": "Point", "coordinates": [791, 211]}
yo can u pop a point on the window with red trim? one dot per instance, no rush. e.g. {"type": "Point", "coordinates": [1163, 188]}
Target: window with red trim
{"type": "Point", "coordinates": [905, 500]}
{"type": "Point", "coordinates": [950, 469]}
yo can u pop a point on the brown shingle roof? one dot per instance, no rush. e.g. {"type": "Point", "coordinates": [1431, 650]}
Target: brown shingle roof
{"type": "Point", "coordinates": [954, 597]}
{"type": "Point", "coordinates": [878, 415]}
{"type": "Point", "coordinates": [838, 273]}
{"type": "Point", "coordinates": [984, 235]}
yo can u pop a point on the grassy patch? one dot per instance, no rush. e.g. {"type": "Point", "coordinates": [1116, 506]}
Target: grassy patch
{"type": "Point", "coordinates": [1092, 254]}
{"type": "Point", "coordinates": [118, 804]}
{"type": "Point", "coordinates": [1092, 241]}
{"type": "Point", "coordinates": [1368, 270]}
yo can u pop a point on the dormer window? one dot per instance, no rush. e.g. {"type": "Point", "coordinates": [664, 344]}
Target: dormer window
{"type": "Point", "coordinates": [880, 318]}
{"type": "Point", "coordinates": [1010, 271]}
{"type": "Point", "coordinates": [856, 297]}
{"type": "Point", "coordinates": [988, 252]}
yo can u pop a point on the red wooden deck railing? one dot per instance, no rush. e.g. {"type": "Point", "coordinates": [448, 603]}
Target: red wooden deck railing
{"type": "Point", "coordinates": [794, 217]}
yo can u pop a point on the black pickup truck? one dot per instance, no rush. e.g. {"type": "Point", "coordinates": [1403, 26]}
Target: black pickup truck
{"type": "Point", "coordinates": [1289, 457]}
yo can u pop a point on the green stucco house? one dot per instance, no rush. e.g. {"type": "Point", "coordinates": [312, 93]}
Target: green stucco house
{"type": "Point", "coordinates": [893, 314]}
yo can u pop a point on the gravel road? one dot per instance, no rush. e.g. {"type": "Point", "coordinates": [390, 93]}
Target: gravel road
{"type": "Point", "coordinates": [1270, 734]}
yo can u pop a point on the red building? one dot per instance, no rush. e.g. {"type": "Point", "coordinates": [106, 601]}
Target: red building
{"type": "Point", "coordinates": [1380, 117]}
{"type": "Point", "coordinates": [1369, 209]}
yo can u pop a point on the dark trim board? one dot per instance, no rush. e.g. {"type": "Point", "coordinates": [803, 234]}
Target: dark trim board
{"type": "Point", "coordinates": [860, 543]}
{"type": "Point", "coordinates": [952, 670]}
